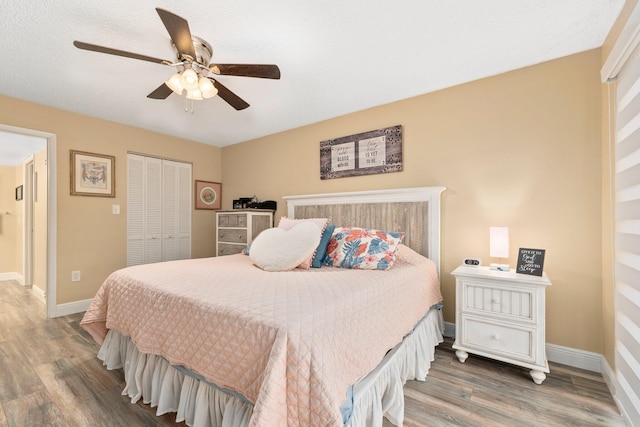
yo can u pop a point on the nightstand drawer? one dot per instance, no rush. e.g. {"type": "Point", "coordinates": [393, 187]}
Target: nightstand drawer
{"type": "Point", "coordinates": [232, 235]}
{"type": "Point", "coordinates": [503, 301]}
{"type": "Point", "coordinates": [495, 338]}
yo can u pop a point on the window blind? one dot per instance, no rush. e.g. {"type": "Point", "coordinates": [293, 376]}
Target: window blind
{"type": "Point", "coordinates": [627, 236]}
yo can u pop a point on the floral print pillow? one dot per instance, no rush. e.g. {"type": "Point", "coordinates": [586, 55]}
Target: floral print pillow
{"type": "Point", "coordinates": [362, 248]}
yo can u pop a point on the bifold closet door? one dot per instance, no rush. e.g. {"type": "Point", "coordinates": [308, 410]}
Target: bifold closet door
{"type": "Point", "coordinates": [158, 210]}
{"type": "Point", "coordinates": [176, 210]}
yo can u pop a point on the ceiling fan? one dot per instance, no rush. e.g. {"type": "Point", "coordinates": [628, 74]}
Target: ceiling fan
{"type": "Point", "coordinates": [193, 65]}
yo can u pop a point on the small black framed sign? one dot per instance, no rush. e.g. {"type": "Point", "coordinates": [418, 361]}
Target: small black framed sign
{"type": "Point", "coordinates": [19, 193]}
{"type": "Point", "coordinates": [530, 261]}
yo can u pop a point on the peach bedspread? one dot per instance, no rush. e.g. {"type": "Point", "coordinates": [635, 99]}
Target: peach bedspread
{"type": "Point", "coordinates": [290, 342]}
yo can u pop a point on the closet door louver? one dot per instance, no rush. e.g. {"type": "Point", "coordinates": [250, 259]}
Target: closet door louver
{"type": "Point", "coordinates": [169, 211]}
{"type": "Point", "coordinates": [135, 210]}
{"type": "Point", "coordinates": [153, 210]}
{"type": "Point", "coordinates": [158, 210]}
{"type": "Point", "coordinates": [185, 190]}
{"type": "Point", "coordinates": [176, 182]}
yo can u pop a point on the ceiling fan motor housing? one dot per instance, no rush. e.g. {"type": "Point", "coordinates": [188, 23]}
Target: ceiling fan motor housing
{"type": "Point", "coordinates": [203, 50]}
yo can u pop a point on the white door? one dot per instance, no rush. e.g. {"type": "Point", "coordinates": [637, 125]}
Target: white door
{"type": "Point", "coordinates": [158, 210]}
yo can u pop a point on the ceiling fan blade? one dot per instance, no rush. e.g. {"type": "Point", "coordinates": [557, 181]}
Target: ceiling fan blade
{"type": "Point", "coordinates": [178, 29]}
{"type": "Point", "coordinates": [264, 71]}
{"type": "Point", "coordinates": [110, 51]}
{"type": "Point", "coordinates": [231, 98]}
{"type": "Point", "coordinates": [162, 92]}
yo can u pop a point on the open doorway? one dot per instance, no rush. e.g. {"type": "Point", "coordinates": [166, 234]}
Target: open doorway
{"type": "Point", "coordinates": [35, 237]}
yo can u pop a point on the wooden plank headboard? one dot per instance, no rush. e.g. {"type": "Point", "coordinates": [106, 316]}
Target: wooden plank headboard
{"type": "Point", "coordinates": [416, 211]}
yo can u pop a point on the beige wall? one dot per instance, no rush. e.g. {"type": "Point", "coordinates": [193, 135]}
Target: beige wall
{"type": "Point", "coordinates": [89, 237]}
{"type": "Point", "coordinates": [520, 149]}
{"type": "Point", "coordinates": [7, 219]}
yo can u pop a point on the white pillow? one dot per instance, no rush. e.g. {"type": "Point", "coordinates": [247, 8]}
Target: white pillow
{"type": "Point", "coordinates": [276, 249]}
{"type": "Point", "coordinates": [286, 224]}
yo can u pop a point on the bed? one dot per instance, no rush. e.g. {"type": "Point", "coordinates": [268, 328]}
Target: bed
{"type": "Point", "coordinates": [224, 343]}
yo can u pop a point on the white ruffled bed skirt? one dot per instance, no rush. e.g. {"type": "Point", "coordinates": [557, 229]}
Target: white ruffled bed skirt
{"type": "Point", "coordinates": [202, 404]}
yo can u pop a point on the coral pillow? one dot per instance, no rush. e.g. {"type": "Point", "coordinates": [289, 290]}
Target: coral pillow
{"type": "Point", "coordinates": [362, 248]}
{"type": "Point", "coordinates": [276, 249]}
{"type": "Point", "coordinates": [286, 224]}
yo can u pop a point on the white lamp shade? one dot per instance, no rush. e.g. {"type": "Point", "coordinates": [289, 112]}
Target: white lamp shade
{"type": "Point", "coordinates": [194, 94]}
{"type": "Point", "coordinates": [189, 80]}
{"type": "Point", "coordinates": [207, 88]}
{"type": "Point", "coordinates": [175, 83]}
{"type": "Point", "coordinates": [499, 242]}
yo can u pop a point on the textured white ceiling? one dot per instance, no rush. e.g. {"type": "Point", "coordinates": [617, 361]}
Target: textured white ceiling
{"type": "Point", "coordinates": [336, 57]}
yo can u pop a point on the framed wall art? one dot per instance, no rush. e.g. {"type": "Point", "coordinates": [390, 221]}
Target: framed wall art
{"type": "Point", "coordinates": [92, 174]}
{"type": "Point", "coordinates": [208, 195]}
{"type": "Point", "coordinates": [19, 192]}
{"type": "Point", "coordinates": [373, 152]}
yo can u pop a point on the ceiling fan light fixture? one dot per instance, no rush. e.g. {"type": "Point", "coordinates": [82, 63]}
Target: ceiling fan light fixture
{"type": "Point", "coordinates": [175, 83]}
{"type": "Point", "coordinates": [207, 88]}
{"type": "Point", "coordinates": [189, 80]}
{"type": "Point", "coordinates": [195, 95]}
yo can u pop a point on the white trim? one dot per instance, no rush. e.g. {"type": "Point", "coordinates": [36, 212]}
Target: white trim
{"type": "Point", "coordinates": [626, 43]}
{"type": "Point", "coordinates": [558, 354]}
{"type": "Point", "coordinates": [9, 276]}
{"type": "Point", "coordinates": [573, 357]}
{"type": "Point", "coordinates": [39, 293]}
{"type": "Point", "coordinates": [416, 194]}
{"type": "Point", "coordinates": [52, 225]}
{"type": "Point", "coordinates": [73, 307]}
{"type": "Point", "coordinates": [52, 211]}
{"type": "Point", "coordinates": [27, 220]}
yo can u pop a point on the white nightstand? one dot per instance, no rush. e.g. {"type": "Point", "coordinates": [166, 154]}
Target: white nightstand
{"type": "Point", "coordinates": [501, 315]}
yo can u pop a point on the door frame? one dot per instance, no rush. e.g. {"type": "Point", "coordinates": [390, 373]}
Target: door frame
{"type": "Point", "coordinates": [52, 203]}
{"type": "Point", "coordinates": [27, 255]}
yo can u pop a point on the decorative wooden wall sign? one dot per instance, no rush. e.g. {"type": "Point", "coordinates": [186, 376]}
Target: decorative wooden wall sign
{"type": "Point", "coordinates": [373, 152]}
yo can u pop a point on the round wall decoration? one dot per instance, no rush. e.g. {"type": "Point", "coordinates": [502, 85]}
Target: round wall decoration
{"type": "Point", "coordinates": [208, 195]}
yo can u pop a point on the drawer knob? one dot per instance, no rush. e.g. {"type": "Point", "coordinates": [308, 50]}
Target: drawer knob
{"type": "Point", "coordinates": [496, 337]}
{"type": "Point", "coordinates": [495, 301]}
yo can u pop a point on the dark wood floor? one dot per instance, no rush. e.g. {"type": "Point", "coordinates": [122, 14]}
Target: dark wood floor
{"type": "Point", "coordinates": [50, 376]}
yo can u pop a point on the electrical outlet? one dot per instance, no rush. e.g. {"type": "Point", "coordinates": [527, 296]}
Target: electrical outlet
{"type": "Point", "coordinates": [115, 209]}
{"type": "Point", "coordinates": [75, 276]}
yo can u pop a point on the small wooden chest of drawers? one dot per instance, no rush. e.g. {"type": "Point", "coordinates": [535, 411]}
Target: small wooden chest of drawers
{"type": "Point", "coordinates": [501, 315]}
{"type": "Point", "coordinates": [237, 228]}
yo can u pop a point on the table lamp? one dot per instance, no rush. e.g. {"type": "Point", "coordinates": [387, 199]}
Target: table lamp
{"type": "Point", "coordinates": [499, 247]}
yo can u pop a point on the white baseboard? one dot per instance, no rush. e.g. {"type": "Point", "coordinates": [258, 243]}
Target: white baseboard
{"type": "Point", "coordinates": [72, 307]}
{"type": "Point", "coordinates": [12, 276]}
{"type": "Point", "coordinates": [575, 358]}
{"type": "Point", "coordinates": [556, 353]}
{"type": "Point", "coordinates": [39, 293]}
{"type": "Point", "coordinates": [9, 276]}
